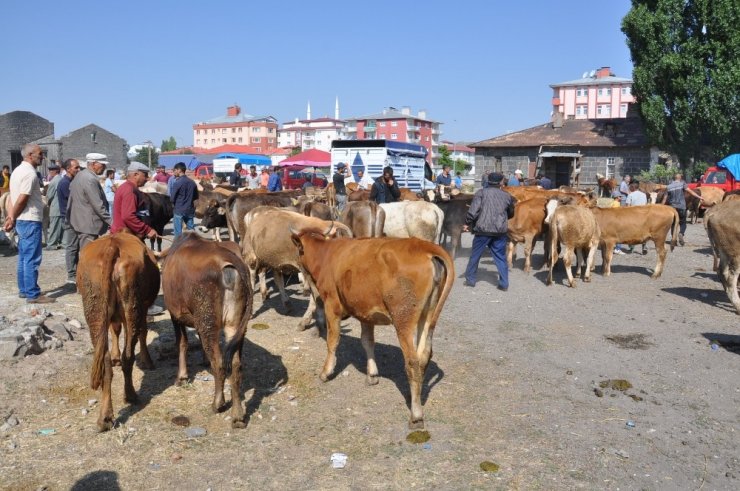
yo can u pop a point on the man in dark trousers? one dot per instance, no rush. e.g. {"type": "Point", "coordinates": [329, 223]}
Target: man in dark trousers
{"type": "Point", "coordinates": [385, 189]}
{"type": "Point", "coordinates": [184, 193]}
{"type": "Point", "coordinates": [339, 188]}
{"type": "Point", "coordinates": [488, 216]}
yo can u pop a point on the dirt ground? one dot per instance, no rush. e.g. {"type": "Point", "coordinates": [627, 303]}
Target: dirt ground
{"type": "Point", "coordinates": [527, 379]}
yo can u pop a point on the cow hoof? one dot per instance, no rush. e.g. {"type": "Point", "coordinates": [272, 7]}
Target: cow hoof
{"type": "Point", "coordinates": [238, 423]}
{"type": "Point", "coordinates": [372, 380]}
{"type": "Point", "coordinates": [131, 398]}
{"type": "Point", "coordinates": [105, 425]}
{"type": "Point", "coordinates": [302, 326]}
{"type": "Point", "coordinates": [181, 381]}
{"type": "Point", "coordinates": [324, 377]}
{"type": "Point", "coordinates": [587, 280]}
{"type": "Point", "coordinates": [416, 425]}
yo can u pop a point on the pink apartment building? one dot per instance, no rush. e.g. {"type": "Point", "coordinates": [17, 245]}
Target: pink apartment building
{"type": "Point", "coordinates": [236, 128]}
{"type": "Point", "coordinates": [392, 124]}
{"type": "Point", "coordinates": [598, 94]}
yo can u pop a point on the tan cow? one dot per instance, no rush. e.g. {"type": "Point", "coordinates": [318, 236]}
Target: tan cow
{"type": "Point", "coordinates": [118, 279]}
{"type": "Point", "coordinates": [723, 229]}
{"type": "Point", "coordinates": [364, 218]}
{"type": "Point", "coordinates": [634, 225]}
{"type": "Point", "coordinates": [403, 282]}
{"type": "Point", "coordinates": [525, 226]}
{"type": "Point", "coordinates": [576, 228]}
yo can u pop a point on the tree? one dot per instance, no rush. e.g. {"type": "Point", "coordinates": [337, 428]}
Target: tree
{"type": "Point", "coordinates": [142, 155]}
{"type": "Point", "coordinates": [445, 158]}
{"type": "Point", "coordinates": [686, 56]}
{"type": "Point", "coordinates": [168, 145]}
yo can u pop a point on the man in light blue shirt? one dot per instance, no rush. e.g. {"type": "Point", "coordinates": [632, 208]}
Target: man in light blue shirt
{"type": "Point", "coordinates": [515, 179]}
{"type": "Point", "coordinates": [110, 188]}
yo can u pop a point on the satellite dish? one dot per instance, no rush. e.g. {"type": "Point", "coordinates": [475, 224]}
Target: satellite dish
{"type": "Point", "coordinates": [592, 73]}
{"type": "Point", "coordinates": [585, 74]}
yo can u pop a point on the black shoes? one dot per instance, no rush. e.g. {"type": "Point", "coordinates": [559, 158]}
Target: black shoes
{"type": "Point", "coordinates": [467, 283]}
{"type": "Point", "coordinates": [502, 288]}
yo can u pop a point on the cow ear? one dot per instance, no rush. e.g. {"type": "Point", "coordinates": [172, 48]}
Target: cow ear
{"type": "Point", "coordinates": [294, 201]}
{"type": "Point", "coordinates": [221, 210]}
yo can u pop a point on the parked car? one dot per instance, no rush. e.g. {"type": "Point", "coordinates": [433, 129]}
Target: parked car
{"type": "Point", "coordinates": [295, 177]}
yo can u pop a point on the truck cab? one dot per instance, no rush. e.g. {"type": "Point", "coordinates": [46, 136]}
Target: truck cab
{"type": "Point", "coordinates": [723, 175]}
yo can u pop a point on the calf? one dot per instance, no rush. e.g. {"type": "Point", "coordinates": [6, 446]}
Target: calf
{"type": "Point", "coordinates": [364, 219]}
{"type": "Point", "coordinates": [418, 219]}
{"type": "Point", "coordinates": [403, 282]}
{"type": "Point", "coordinates": [723, 229]}
{"type": "Point", "coordinates": [454, 211]}
{"type": "Point", "coordinates": [118, 280]}
{"type": "Point", "coordinates": [267, 244]}
{"type": "Point", "coordinates": [635, 225]}
{"type": "Point", "coordinates": [525, 226]}
{"type": "Point", "coordinates": [160, 212]}
{"type": "Point", "coordinates": [575, 227]}
{"type": "Point", "coordinates": [308, 206]}
{"type": "Point", "coordinates": [206, 285]}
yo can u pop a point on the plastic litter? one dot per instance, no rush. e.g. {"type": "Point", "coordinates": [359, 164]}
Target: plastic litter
{"type": "Point", "coordinates": [427, 446]}
{"type": "Point", "coordinates": [338, 460]}
{"type": "Point", "coordinates": [47, 431]}
{"type": "Point", "coordinates": [715, 347]}
{"type": "Point", "coordinates": [630, 424]}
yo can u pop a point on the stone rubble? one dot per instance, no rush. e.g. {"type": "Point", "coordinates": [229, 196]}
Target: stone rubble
{"type": "Point", "coordinates": [33, 330]}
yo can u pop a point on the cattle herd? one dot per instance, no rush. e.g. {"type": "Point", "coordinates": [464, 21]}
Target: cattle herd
{"type": "Point", "coordinates": [379, 263]}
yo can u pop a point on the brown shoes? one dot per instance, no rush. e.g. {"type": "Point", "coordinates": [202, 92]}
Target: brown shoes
{"type": "Point", "coordinates": [41, 299]}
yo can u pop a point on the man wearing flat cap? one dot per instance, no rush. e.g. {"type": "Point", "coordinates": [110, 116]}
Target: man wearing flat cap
{"type": "Point", "coordinates": [128, 206]}
{"type": "Point", "coordinates": [488, 216]}
{"type": "Point", "coordinates": [87, 208]}
{"type": "Point", "coordinates": [55, 214]}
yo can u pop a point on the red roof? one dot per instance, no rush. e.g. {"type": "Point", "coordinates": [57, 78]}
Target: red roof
{"type": "Point", "coordinates": [313, 155]}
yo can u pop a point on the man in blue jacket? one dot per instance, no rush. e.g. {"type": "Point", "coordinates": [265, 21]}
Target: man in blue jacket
{"type": "Point", "coordinates": [184, 192]}
{"type": "Point", "coordinates": [488, 216]}
{"type": "Point", "coordinates": [274, 183]}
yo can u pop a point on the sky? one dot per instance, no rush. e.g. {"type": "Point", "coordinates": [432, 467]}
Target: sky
{"type": "Point", "coordinates": [148, 70]}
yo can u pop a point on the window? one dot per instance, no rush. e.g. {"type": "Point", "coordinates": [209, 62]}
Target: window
{"type": "Point", "coordinates": [259, 149]}
{"type": "Point", "coordinates": [604, 110]}
{"type": "Point", "coordinates": [223, 140]}
{"type": "Point", "coordinates": [270, 140]}
{"type": "Point", "coordinates": [256, 129]}
{"type": "Point", "coordinates": [394, 123]}
{"type": "Point", "coordinates": [233, 130]}
{"type": "Point", "coordinates": [256, 140]}
{"type": "Point", "coordinates": [580, 92]}
{"type": "Point", "coordinates": [240, 129]}
{"type": "Point", "coordinates": [611, 164]}
{"type": "Point", "coordinates": [223, 130]}
{"type": "Point", "coordinates": [213, 140]}
{"type": "Point", "coordinates": [623, 109]}
{"type": "Point", "coordinates": [233, 140]}
{"type": "Point", "coordinates": [213, 131]}
{"type": "Point", "coordinates": [270, 130]}
{"type": "Point", "coordinates": [581, 110]}
{"type": "Point", "coordinates": [240, 139]}
{"type": "Point", "coordinates": [626, 90]}
{"type": "Point", "coordinates": [606, 92]}
{"type": "Point", "coordinates": [382, 124]}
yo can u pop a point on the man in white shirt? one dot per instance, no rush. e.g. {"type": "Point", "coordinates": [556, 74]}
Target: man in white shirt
{"type": "Point", "coordinates": [365, 181]}
{"type": "Point", "coordinates": [25, 212]}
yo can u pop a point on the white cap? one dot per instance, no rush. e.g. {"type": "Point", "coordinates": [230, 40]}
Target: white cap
{"type": "Point", "coordinates": [518, 171]}
{"type": "Point", "coordinates": [96, 157]}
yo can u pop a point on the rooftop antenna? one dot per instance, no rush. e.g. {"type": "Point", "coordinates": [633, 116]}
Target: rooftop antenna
{"type": "Point", "coordinates": [592, 73]}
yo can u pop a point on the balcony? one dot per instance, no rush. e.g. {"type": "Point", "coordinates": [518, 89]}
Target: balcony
{"type": "Point", "coordinates": [435, 131]}
{"type": "Point", "coordinates": [351, 129]}
{"type": "Point", "coordinates": [412, 128]}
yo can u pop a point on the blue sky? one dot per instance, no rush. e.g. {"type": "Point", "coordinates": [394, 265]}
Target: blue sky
{"type": "Point", "coordinates": [148, 70]}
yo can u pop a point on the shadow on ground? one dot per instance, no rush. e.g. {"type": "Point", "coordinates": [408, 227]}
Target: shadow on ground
{"type": "Point", "coordinates": [716, 298]}
{"type": "Point", "coordinates": [730, 342]}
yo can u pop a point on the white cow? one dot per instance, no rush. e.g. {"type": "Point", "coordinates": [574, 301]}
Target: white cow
{"type": "Point", "coordinates": [420, 219]}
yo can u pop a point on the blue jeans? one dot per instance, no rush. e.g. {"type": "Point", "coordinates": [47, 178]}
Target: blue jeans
{"type": "Point", "coordinates": [497, 246]}
{"type": "Point", "coordinates": [29, 257]}
{"type": "Point", "coordinates": [177, 223]}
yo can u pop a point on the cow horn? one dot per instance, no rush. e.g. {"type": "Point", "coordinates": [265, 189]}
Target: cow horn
{"type": "Point", "coordinates": [292, 230]}
{"type": "Point", "coordinates": [328, 231]}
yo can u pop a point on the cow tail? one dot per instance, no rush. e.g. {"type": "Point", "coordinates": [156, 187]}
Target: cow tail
{"type": "Point", "coordinates": [230, 222]}
{"type": "Point", "coordinates": [244, 288]}
{"type": "Point", "coordinates": [108, 285]}
{"type": "Point", "coordinates": [449, 272]}
{"type": "Point", "coordinates": [674, 233]}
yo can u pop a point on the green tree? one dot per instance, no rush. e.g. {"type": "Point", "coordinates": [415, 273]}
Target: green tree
{"type": "Point", "coordinates": [445, 158]}
{"type": "Point", "coordinates": [142, 155]}
{"type": "Point", "coordinates": [686, 56]}
{"type": "Point", "coordinates": [168, 145]}
{"type": "Point", "coordinates": [295, 151]}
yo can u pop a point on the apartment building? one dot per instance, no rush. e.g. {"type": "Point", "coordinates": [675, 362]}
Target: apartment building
{"type": "Point", "coordinates": [596, 95]}
{"type": "Point", "coordinates": [236, 128]}
{"type": "Point", "coordinates": [392, 124]}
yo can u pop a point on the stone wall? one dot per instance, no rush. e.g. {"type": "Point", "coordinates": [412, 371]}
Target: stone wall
{"type": "Point", "coordinates": [93, 138]}
{"type": "Point", "coordinates": [18, 128]}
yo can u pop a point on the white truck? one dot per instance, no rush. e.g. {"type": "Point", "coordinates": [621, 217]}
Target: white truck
{"type": "Point", "coordinates": [408, 161]}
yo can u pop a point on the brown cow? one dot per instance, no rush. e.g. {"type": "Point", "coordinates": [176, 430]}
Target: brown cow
{"type": "Point", "coordinates": [403, 282]}
{"type": "Point", "coordinates": [118, 279]}
{"type": "Point", "coordinates": [364, 218]}
{"type": "Point", "coordinates": [409, 195]}
{"type": "Point", "coordinates": [239, 204]}
{"type": "Point", "coordinates": [359, 195]}
{"type": "Point", "coordinates": [576, 228]}
{"type": "Point", "coordinates": [310, 207]}
{"type": "Point", "coordinates": [634, 225]}
{"type": "Point", "coordinates": [525, 226]}
{"type": "Point", "coordinates": [723, 229]}
{"type": "Point", "coordinates": [206, 286]}
{"type": "Point", "coordinates": [267, 244]}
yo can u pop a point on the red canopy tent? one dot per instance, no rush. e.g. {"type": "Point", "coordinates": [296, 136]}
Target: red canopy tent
{"type": "Point", "coordinates": [309, 158]}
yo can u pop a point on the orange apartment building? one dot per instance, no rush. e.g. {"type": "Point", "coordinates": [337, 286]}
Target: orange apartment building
{"type": "Point", "coordinates": [236, 128]}
{"type": "Point", "coordinates": [596, 95]}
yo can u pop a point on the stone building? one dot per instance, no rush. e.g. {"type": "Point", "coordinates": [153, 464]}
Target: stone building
{"type": "Point", "coordinates": [570, 151]}
{"type": "Point", "coordinates": [93, 138]}
{"type": "Point", "coordinates": [20, 127]}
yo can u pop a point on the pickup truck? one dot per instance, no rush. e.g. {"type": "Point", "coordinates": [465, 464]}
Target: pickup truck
{"type": "Point", "coordinates": [721, 175]}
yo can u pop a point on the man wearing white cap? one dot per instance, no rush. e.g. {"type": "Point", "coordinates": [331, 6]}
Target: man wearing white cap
{"type": "Point", "coordinates": [127, 205]}
{"type": "Point", "coordinates": [515, 180]}
{"type": "Point", "coordinates": [87, 208]}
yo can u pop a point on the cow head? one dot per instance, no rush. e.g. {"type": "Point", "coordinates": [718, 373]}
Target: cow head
{"type": "Point", "coordinates": [297, 235]}
{"type": "Point", "coordinates": [552, 204]}
{"type": "Point", "coordinates": [214, 215]}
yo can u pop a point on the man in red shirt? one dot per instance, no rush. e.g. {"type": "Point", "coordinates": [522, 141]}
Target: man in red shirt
{"type": "Point", "coordinates": [162, 175]}
{"type": "Point", "coordinates": [127, 205]}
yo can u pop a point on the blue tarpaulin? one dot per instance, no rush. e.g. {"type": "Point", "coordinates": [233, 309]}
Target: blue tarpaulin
{"type": "Point", "coordinates": [169, 161]}
{"type": "Point", "coordinates": [732, 164]}
{"type": "Point", "coordinates": [246, 158]}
